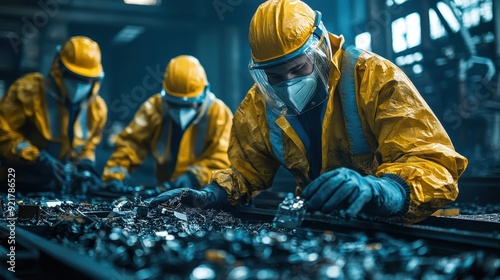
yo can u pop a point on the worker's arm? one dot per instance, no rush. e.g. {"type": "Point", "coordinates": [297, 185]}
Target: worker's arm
{"type": "Point", "coordinates": [412, 143]}
{"type": "Point", "coordinates": [132, 144]}
{"type": "Point", "coordinates": [15, 109]}
{"type": "Point", "coordinates": [214, 157]}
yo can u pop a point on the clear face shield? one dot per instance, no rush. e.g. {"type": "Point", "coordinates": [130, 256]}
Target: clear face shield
{"type": "Point", "coordinates": [302, 92]}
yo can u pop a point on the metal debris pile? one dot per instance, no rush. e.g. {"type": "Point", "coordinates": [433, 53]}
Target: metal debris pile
{"type": "Point", "coordinates": [176, 242]}
{"type": "Point", "coordinates": [476, 212]}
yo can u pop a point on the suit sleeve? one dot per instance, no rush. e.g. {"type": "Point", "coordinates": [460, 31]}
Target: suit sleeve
{"type": "Point", "coordinates": [132, 144]}
{"type": "Point", "coordinates": [215, 156]}
{"type": "Point", "coordinates": [15, 109]}
{"type": "Point", "coordinates": [253, 165]}
{"type": "Point", "coordinates": [412, 143]}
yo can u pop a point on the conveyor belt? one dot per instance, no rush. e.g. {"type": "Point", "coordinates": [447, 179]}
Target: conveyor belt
{"type": "Point", "coordinates": [37, 256]}
{"type": "Point", "coordinates": [445, 239]}
{"type": "Point", "coordinates": [450, 234]}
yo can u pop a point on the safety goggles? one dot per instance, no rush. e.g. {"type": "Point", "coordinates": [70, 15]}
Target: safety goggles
{"type": "Point", "coordinates": [183, 102]}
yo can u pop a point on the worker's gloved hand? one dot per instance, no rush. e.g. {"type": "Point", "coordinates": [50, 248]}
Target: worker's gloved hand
{"type": "Point", "coordinates": [186, 180]}
{"type": "Point", "coordinates": [344, 188]}
{"type": "Point", "coordinates": [48, 166]}
{"type": "Point", "coordinates": [209, 196]}
{"type": "Point", "coordinates": [115, 186]}
{"type": "Point", "coordinates": [87, 170]}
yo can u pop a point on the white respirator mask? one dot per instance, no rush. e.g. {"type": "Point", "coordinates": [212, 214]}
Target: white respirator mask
{"type": "Point", "coordinates": [76, 91]}
{"type": "Point", "coordinates": [183, 117]}
{"type": "Point", "coordinates": [297, 91]}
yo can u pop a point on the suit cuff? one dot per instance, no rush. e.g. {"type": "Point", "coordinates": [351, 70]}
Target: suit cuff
{"type": "Point", "coordinates": [399, 185]}
{"type": "Point", "coordinates": [219, 192]}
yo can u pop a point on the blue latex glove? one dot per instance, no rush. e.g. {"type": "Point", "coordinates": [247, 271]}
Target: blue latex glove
{"type": "Point", "coordinates": [346, 188]}
{"type": "Point", "coordinates": [116, 186]}
{"type": "Point", "coordinates": [186, 180]}
{"type": "Point", "coordinates": [209, 196]}
{"type": "Point", "coordinates": [47, 165]}
{"type": "Point", "coordinates": [88, 171]}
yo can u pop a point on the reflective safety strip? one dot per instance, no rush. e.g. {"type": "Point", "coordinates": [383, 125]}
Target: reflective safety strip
{"type": "Point", "coordinates": [83, 121]}
{"type": "Point", "coordinates": [275, 135]}
{"type": "Point", "coordinates": [355, 131]}
{"type": "Point", "coordinates": [54, 116]}
{"type": "Point", "coordinates": [118, 169]}
{"type": "Point", "coordinates": [21, 146]}
{"type": "Point", "coordinates": [299, 129]}
{"type": "Point", "coordinates": [161, 144]}
{"type": "Point", "coordinates": [202, 128]}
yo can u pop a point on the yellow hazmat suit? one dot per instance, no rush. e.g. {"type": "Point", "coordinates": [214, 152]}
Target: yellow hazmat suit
{"type": "Point", "coordinates": [203, 144]}
{"type": "Point", "coordinates": [403, 135]}
{"type": "Point", "coordinates": [34, 113]}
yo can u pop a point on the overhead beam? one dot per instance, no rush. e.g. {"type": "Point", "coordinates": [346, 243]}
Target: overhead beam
{"type": "Point", "coordinates": [38, 17]}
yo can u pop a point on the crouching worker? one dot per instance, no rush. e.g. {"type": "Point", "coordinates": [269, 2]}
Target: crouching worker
{"type": "Point", "coordinates": [185, 127]}
{"type": "Point", "coordinates": [50, 125]}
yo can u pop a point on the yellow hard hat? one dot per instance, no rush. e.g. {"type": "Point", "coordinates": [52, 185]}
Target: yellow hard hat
{"type": "Point", "coordinates": [184, 77]}
{"type": "Point", "coordinates": [82, 56]}
{"type": "Point", "coordinates": [279, 27]}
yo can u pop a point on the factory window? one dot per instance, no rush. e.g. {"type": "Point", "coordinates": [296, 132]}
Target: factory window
{"type": "Point", "coordinates": [364, 41]}
{"type": "Point", "coordinates": [406, 32]}
{"type": "Point", "coordinates": [418, 69]}
{"type": "Point", "coordinates": [436, 26]}
{"type": "Point", "coordinates": [475, 11]}
{"type": "Point", "coordinates": [409, 59]}
{"type": "Point", "coordinates": [449, 16]}
{"type": "Point", "coordinates": [394, 2]}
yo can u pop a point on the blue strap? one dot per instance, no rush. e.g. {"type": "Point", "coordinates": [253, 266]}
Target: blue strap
{"type": "Point", "coordinates": [203, 124]}
{"type": "Point", "coordinates": [163, 138]}
{"type": "Point", "coordinates": [275, 135]}
{"type": "Point", "coordinates": [54, 116]}
{"type": "Point", "coordinates": [83, 121]}
{"type": "Point", "coordinates": [299, 129]}
{"type": "Point", "coordinates": [355, 131]}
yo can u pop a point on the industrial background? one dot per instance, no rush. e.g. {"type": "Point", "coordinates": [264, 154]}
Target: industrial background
{"type": "Point", "coordinates": [450, 49]}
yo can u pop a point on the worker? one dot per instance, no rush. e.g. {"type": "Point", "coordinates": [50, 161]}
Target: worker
{"type": "Point", "coordinates": [348, 124]}
{"type": "Point", "coordinates": [185, 127]}
{"type": "Point", "coordinates": [50, 125]}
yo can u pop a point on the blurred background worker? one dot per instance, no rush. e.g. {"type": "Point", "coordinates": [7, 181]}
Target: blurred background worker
{"type": "Point", "coordinates": [50, 126]}
{"type": "Point", "coordinates": [185, 127]}
{"type": "Point", "coordinates": [348, 124]}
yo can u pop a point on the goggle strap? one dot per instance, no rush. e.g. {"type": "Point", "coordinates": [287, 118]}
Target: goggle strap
{"type": "Point", "coordinates": [179, 100]}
